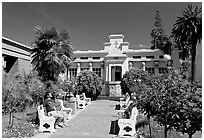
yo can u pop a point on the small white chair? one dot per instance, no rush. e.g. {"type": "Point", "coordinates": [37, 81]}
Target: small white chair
{"type": "Point", "coordinates": [46, 123]}
{"type": "Point", "coordinates": [64, 109]}
{"type": "Point", "coordinates": [88, 100]}
{"type": "Point", "coordinates": [127, 126]}
{"type": "Point", "coordinates": [80, 103]}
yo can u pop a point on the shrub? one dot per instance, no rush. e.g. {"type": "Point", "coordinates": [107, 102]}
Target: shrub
{"type": "Point", "coordinates": [20, 130]}
{"type": "Point", "coordinates": [133, 80]}
{"type": "Point", "coordinates": [89, 83]}
{"type": "Point", "coordinates": [15, 94]}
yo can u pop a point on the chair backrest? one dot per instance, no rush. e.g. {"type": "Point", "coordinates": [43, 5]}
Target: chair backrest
{"type": "Point", "coordinates": [41, 112]}
{"type": "Point", "coordinates": [84, 95]}
{"type": "Point", "coordinates": [78, 98]}
{"type": "Point", "coordinates": [61, 103]}
{"type": "Point", "coordinates": [134, 114]}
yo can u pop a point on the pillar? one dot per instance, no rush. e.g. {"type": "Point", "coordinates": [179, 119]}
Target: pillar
{"type": "Point", "coordinates": [102, 67]}
{"type": "Point", "coordinates": [143, 66]}
{"type": "Point", "coordinates": [78, 68]}
{"type": "Point", "coordinates": [130, 65]}
{"type": "Point", "coordinates": [90, 67]}
{"type": "Point", "coordinates": [156, 67]}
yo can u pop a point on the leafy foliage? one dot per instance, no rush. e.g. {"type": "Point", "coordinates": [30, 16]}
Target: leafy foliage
{"type": "Point", "coordinates": [52, 52]}
{"type": "Point", "coordinates": [89, 83]}
{"type": "Point", "coordinates": [159, 40]}
{"type": "Point", "coordinates": [187, 32]}
{"type": "Point", "coordinates": [15, 93]}
{"type": "Point", "coordinates": [19, 130]}
{"type": "Point", "coordinates": [170, 99]}
{"type": "Point", "coordinates": [134, 80]}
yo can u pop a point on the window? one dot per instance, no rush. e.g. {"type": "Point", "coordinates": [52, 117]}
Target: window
{"type": "Point", "coordinates": [84, 58]}
{"type": "Point", "coordinates": [136, 57]}
{"type": "Point", "coordinates": [72, 72]}
{"type": "Point", "coordinates": [162, 70]}
{"type": "Point", "coordinates": [97, 71]}
{"type": "Point", "coordinates": [95, 58]}
{"type": "Point", "coordinates": [150, 70]}
{"type": "Point", "coordinates": [161, 56]}
{"type": "Point", "coordinates": [84, 69]}
{"type": "Point", "coordinates": [149, 57]}
{"type": "Point", "coordinates": [116, 73]}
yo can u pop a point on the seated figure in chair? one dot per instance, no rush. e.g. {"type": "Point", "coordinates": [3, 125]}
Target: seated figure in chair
{"type": "Point", "coordinates": [61, 109]}
{"type": "Point", "coordinates": [49, 105]}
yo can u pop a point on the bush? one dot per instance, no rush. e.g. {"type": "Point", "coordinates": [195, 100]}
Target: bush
{"type": "Point", "coordinates": [133, 80]}
{"type": "Point", "coordinates": [89, 83]}
{"type": "Point", "coordinates": [20, 130]}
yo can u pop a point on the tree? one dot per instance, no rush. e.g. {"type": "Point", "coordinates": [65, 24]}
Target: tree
{"type": "Point", "coordinates": [136, 83]}
{"type": "Point", "coordinates": [187, 32]}
{"type": "Point", "coordinates": [134, 80]}
{"type": "Point", "coordinates": [159, 40]}
{"type": "Point", "coordinates": [89, 83]}
{"type": "Point", "coordinates": [51, 52]}
{"type": "Point", "coordinates": [189, 110]}
{"type": "Point", "coordinates": [37, 89]}
{"type": "Point", "coordinates": [15, 94]}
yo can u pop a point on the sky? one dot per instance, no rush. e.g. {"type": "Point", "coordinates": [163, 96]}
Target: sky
{"type": "Point", "coordinates": [90, 23]}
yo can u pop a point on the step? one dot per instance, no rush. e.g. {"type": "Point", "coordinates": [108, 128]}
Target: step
{"type": "Point", "coordinates": [114, 98]}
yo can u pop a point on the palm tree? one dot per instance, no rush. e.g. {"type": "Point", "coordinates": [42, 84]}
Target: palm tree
{"type": "Point", "coordinates": [187, 31]}
{"type": "Point", "coordinates": [51, 53]}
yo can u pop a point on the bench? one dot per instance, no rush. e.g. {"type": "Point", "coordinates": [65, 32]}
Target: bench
{"type": "Point", "coordinates": [80, 103]}
{"type": "Point", "coordinates": [121, 111]}
{"type": "Point", "coordinates": [88, 100]}
{"type": "Point", "coordinates": [65, 109]}
{"type": "Point", "coordinates": [46, 122]}
{"type": "Point", "coordinates": [127, 126]}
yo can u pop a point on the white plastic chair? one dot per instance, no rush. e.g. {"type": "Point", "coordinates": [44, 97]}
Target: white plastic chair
{"type": "Point", "coordinates": [127, 126]}
{"type": "Point", "coordinates": [64, 109]}
{"type": "Point", "coordinates": [80, 103]}
{"type": "Point", "coordinates": [88, 100]}
{"type": "Point", "coordinates": [46, 123]}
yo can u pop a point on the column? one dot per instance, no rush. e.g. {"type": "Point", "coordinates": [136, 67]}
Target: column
{"type": "Point", "coordinates": [143, 66]}
{"type": "Point", "coordinates": [130, 65]}
{"type": "Point", "coordinates": [156, 67]}
{"type": "Point", "coordinates": [102, 67]}
{"type": "Point", "coordinates": [90, 67]}
{"type": "Point", "coordinates": [78, 68]}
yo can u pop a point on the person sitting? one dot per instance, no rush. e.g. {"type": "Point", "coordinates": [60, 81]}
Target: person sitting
{"type": "Point", "coordinates": [61, 109]}
{"type": "Point", "coordinates": [49, 106]}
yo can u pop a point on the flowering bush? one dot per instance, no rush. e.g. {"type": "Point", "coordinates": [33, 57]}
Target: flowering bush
{"type": "Point", "coordinates": [89, 83]}
{"type": "Point", "coordinates": [20, 130]}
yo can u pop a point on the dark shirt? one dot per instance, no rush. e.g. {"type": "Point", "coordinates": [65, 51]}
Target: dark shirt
{"type": "Point", "coordinates": [49, 105]}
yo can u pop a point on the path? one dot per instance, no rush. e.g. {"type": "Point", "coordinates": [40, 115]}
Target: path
{"type": "Point", "coordinates": [91, 122]}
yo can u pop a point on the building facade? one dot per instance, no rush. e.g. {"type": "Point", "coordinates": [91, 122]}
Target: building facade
{"type": "Point", "coordinates": [114, 60]}
{"type": "Point", "coordinates": [15, 56]}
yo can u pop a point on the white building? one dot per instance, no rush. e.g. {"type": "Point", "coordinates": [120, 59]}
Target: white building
{"type": "Point", "coordinates": [116, 58]}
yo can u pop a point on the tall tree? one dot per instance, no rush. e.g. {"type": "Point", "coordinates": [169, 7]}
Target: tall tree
{"type": "Point", "coordinates": [187, 32]}
{"type": "Point", "coordinates": [159, 39]}
{"type": "Point", "coordinates": [51, 53]}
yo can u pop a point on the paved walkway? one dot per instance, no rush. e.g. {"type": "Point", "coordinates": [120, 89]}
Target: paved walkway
{"type": "Point", "coordinates": [91, 122]}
